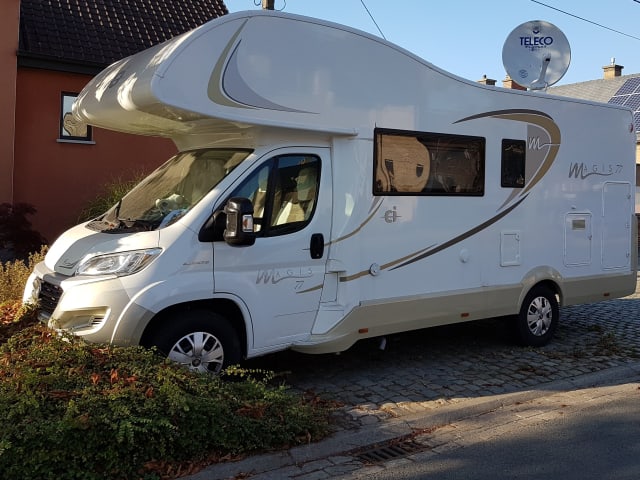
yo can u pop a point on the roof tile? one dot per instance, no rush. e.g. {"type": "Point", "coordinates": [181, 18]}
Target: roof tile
{"type": "Point", "coordinates": [100, 32]}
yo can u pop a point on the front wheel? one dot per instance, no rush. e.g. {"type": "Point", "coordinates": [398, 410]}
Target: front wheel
{"type": "Point", "coordinates": [538, 318]}
{"type": "Point", "coordinates": [201, 340]}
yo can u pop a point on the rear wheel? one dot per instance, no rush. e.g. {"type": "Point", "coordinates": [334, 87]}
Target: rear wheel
{"type": "Point", "coordinates": [201, 340]}
{"type": "Point", "coordinates": [538, 318]}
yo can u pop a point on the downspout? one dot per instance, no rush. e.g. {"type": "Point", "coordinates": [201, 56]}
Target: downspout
{"type": "Point", "coordinates": [9, 38]}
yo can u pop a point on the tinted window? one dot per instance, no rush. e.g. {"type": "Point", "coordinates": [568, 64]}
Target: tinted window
{"type": "Point", "coordinates": [513, 163]}
{"type": "Point", "coordinates": [428, 164]}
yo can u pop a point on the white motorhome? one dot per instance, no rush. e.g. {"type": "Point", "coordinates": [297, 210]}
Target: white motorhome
{"type": "Point", "coordinates": [330, 187]}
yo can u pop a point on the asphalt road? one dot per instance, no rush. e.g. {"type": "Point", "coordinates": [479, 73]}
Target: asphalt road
{"type": "Point", "coordinates": [576, 437]}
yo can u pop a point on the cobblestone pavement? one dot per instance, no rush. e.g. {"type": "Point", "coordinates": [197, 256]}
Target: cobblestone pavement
{"type": "Point", "coordinates": [429, 368]}
{"type": "Point", "coordinates": [426, 372]}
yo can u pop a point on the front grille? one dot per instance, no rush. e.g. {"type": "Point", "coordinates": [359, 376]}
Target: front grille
{"type": "Point", "coordinates": [49, 297]}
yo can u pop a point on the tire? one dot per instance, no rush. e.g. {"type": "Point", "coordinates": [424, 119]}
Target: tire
{"type": "Point", "coordinates": [201, 340]}
{"type": "Point", "coordinates": [537, 321]}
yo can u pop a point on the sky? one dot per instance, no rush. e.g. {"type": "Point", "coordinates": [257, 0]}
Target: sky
{"type": "Point", "coordinates": [466, 37]}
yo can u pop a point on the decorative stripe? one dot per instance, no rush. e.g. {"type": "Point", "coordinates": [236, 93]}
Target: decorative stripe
{"type": "Point", "coordinates": [374, 209]}
{"type": "Point", "coordinates": [463, 236]}
{"type": "Point", "coordinates": [532, 117]}
{"type": "Point", "coordinates": [215, 81]}
{"type": "Point", "coordinates": [228, 88]}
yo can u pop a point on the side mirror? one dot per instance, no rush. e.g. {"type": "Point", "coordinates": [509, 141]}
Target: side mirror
{"type": "Point", "coordinates": [239, 227]}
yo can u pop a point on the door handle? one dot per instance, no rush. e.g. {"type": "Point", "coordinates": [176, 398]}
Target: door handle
{"type": "Point", "coordinates": [316, 245]}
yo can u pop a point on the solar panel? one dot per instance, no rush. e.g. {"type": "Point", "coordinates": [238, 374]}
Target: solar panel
{"type": "Point", "coordinates": [633, 102]}
{"type": "Point", "coordinates": [619, 100]}
{"type": "Point", "coordinates": [629, 86]}
{"type": "Point", "coordinates": [629, 96]}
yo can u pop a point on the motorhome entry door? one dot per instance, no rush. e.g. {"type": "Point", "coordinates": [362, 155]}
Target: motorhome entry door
{"type": "Point", "coordinates": [616, 224]}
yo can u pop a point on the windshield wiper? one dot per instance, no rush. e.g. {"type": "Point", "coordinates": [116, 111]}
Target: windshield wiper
{"type": "Point", "coordinates": [121, 223]}
{"type": "Point", "coordinates": [118, 205]}
{"type": "Point", "coordinates": [143, 224]}
{"type": "Point", "coordinates": [137, 225]}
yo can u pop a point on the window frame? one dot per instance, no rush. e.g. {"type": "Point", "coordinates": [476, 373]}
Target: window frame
{"type": "Point", "coordinates": [64, 136]}
{"type": "Point", "coordinates": [476, 142]}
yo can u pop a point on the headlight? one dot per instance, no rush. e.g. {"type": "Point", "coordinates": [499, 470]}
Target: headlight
{"type": "Point", "coordinates": [31, 290]}
{"type": "Point", "coordinates": [120, 264]}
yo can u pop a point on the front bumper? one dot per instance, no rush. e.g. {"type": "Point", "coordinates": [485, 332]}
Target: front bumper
{"type": "Point", "coordinates": [90, 307]}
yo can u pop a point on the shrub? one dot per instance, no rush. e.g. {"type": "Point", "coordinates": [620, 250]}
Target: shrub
{"type": "Point", "coordinates": [14, 275]}
{"type": "Point", "coordinates": [109, 195]}
{"type": "Point", "coordinates": [78, 411]}
{"type": "Point", "coordinates": [15, 317]}
{"type": "Point", "coordinates": [17, 237]}
{"type": "Point", "coordinates": [72, 410]}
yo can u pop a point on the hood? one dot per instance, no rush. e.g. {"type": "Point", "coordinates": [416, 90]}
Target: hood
{"type": "Point", "coordinates": [72, 246]}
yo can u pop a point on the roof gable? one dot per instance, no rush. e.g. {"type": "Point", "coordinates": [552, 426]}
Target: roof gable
{"type": "Point", "coordinates": [61, 34]}
{"type": "Point", "coordinates": [607, 90]}
{"type": "Point", "coordinates": [600, 90]}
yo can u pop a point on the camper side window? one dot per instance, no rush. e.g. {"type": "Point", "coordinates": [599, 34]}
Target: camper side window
{"type": "Point", "coordinates": [513, 163]}
{"type": "Point", "coordinates": [420, 163]}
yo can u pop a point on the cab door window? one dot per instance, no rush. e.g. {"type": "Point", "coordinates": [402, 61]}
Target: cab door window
{"type": "Point", "coordinates": [255, 189]}
{"type": "Point", "coordinates": [284, 193]}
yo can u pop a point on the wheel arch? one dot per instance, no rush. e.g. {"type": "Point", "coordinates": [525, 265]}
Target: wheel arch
{"type": "Point", "coordinates": [225, 307]}
{"type": "Point", "coordinates": [550, 285]}
{"type": "Point", "coordinates": [546, 277]}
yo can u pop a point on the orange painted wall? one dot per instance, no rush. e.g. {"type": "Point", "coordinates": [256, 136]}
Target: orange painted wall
{"type": "Point", "coordinates": [59, 178]}
{"type": "Point", "coordinates": [10, 14]}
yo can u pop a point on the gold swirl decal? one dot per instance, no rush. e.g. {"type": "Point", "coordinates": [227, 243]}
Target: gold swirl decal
{"type": "Point", "coordinates": [543, 135]}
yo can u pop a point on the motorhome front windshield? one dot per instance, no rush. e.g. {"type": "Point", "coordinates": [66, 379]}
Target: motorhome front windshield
{"type": "Point", "coordinates": [170, 191]}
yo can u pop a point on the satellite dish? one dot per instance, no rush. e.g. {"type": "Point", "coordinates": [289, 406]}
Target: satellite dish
{"type": "Point", "coordinates": [536, 54]}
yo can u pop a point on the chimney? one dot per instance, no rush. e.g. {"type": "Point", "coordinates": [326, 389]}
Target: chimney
{"type": "Point", "coordinates": [487, 81]}
{"type": "Point", "coordinates": [612, 70]}
{"type": "Point", "coordinates": [268, 4]}
{"type": "Point", "coordinates": [509, 83]}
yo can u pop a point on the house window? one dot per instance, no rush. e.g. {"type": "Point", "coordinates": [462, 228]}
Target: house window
{"type": "Point", "coordinates": [421, 163]}
{"type": "Point", "coordinates": [71, 130]}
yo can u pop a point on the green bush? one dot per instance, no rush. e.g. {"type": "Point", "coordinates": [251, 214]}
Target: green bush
{"type": "Point", "coordinates": [14, 275]}
{"type": "Point", "coordinates": [72, 410]}
{"type": "Point", "coordinates": [109, 195]}
{"type": "Point", "coordinates": [15, 317]}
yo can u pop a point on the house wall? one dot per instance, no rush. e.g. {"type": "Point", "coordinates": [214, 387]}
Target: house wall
{"type": "Point", "coordinates": [10, 13]}
{"type": "Point", "coordinates": [57, 178]}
